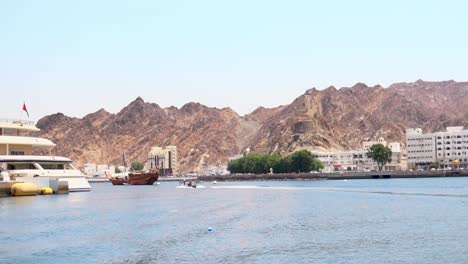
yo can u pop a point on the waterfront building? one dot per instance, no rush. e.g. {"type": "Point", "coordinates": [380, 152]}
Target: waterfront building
{"type": "Point", "coordinates": [102, 167]}
{"type": "Point", "coordinates": [90, 169]}
{"type": "Point", "coordinates": [163, 157]}
{"type": "Point", "coordinates": [447, 149]}
{"type": "Point", "coordinates": [366, 144]}
{"type": "Point", "coordinates": [357, 160]}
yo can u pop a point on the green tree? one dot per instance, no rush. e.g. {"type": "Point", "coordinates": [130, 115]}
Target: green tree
{"type": "Point", "coordinates": [117, 170]}
{"type": "Point", "coordinates": [317, 165]}
{"type": "Point", "coordinates": [234, 166]}
{"type": "Point", "coordinates": [302, 161]}
{"type": "Point", "coordinates": [435, 165]}
{"type": "Point", "coordinates": [284, 165]}
{"type": "Point", "coordinates": [380, 154]}
{"type": "Point", "coordinates": [136, 166]}
{"type": "Point", "coordinates": [269, 162]}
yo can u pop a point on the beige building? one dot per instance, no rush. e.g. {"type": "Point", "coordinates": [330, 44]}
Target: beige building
{"type": "Point", "coordinates": [369, 143]}
{"type": "Point", "coordinates": [357, 160]}
{"type": "Point", "coordinates": [445, 148]}
{"type": "Point", "coordinates": [163, 157]}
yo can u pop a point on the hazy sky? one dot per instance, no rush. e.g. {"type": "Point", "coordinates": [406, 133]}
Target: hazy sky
{"type": "Point", "coordinates": [75, 57]}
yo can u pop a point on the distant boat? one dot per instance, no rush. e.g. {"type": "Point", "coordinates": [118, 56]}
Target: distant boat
{"type": "Point", "coordinates": [136, 178]}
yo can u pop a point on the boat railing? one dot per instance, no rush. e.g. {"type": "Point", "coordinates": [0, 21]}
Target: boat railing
{"type": "Point", "coordinates": [17, 121]}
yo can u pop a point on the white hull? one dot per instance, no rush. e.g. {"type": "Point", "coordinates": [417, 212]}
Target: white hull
{"type": "Point", "coordinates": [76, 182]}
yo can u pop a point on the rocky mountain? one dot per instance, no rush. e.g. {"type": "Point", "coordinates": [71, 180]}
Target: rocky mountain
{"type": "Point", "coordinates": [341, 119]}
{"type": "Point", "coordinates": [203, 135]}
{"type": "Point", "coordinates": [329, 119]}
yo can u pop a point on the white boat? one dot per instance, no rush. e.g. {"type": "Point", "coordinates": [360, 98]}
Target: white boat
{"type": "Point", "coordinates": [19, 164]}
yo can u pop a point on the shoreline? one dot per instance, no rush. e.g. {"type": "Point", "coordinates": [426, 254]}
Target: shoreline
{"type": "Point", "coordinates": [336, 176]}
{"type": "Point", "coordinates": [311, 176]}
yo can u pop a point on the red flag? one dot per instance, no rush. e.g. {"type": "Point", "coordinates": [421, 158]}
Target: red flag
{"type": "Point", "coordinates": [25, 109]}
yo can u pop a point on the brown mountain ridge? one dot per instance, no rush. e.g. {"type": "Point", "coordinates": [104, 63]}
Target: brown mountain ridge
{"type": "Point", "coordinates": [329, 119]}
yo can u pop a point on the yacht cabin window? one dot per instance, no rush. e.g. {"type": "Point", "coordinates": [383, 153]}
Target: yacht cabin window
{"type": "Point", "coordinates": [21, 166]}
{"type": "Point", "coordinates": [56, 166]}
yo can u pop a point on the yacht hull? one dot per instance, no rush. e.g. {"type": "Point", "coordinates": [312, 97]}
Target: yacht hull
{"type": "Point", "coordinates": [71, 184]}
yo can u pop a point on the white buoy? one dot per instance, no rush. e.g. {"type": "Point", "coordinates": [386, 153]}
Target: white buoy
{"type": "Point", "coordinates": [215, 182]}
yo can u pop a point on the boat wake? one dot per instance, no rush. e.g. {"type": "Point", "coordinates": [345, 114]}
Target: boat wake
{"type": "Point", "coordinates": [341, 190]}
{"type": "Point", "coordinates": [188, 187]}
{"type": "Point", "coordinates": [405, 193]}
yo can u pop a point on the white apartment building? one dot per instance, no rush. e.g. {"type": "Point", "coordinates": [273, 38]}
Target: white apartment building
{"type": "Point", "coordinates": [90, 169]}
{"type": "Point", "coordinates": [357, 160]}
{"type": "Point", "coordinates": [448, 148]}
{"type": "Point", "coordinates": [102, 167]}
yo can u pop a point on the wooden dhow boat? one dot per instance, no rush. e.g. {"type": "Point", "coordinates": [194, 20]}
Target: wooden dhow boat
{"type": "Point", "coordinates": [136, 178]}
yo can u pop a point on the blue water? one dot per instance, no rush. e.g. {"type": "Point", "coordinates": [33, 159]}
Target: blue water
{"type": "Point", "coordinates": [360, 221]}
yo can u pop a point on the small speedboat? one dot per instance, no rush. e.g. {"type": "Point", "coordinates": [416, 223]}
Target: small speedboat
{"type": "Point", "coordinates": [190, 186]}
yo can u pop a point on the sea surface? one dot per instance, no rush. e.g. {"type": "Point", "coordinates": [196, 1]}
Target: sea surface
{"type": "Point", "coordinates": [358, 221]}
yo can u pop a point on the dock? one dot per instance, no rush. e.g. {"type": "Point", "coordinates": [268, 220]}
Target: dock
{"type": "Point", "coordinates": [97, 179]}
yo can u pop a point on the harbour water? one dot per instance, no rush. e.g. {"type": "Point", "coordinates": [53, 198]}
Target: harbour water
{"type": "Point", "coordinates": [359, 221]}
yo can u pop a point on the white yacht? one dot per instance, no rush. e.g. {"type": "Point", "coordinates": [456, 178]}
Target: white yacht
{"type": "Point", "coordinates": [18, 163]}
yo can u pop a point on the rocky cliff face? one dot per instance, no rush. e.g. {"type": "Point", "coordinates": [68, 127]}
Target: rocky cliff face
{"type": "Point", "coordinates": [203, 135]}
{"type": "Point", "coordinates": [323, 120]}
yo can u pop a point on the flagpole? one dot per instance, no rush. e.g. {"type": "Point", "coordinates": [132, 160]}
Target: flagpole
{"type": "Point", "coordinates": [21, 114]}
